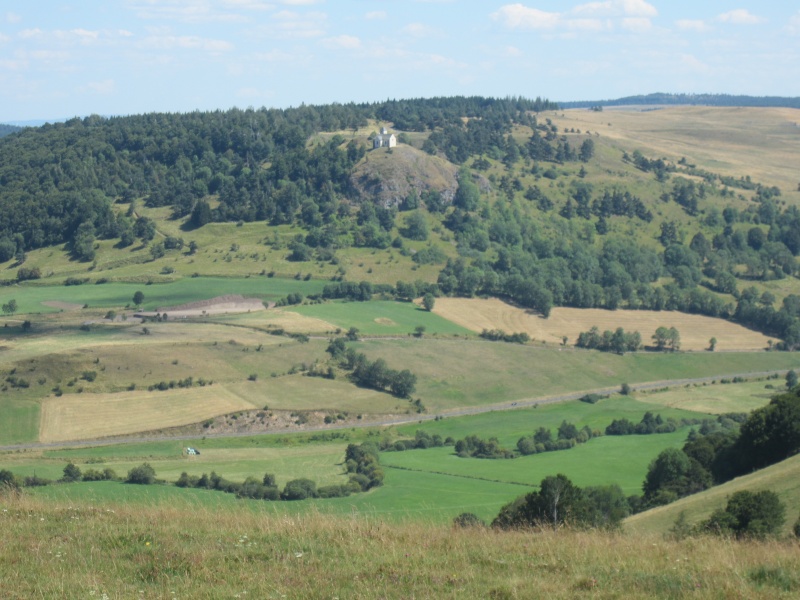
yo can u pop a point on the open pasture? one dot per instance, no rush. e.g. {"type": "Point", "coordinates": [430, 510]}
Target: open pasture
{"type": "Point", "coordinates": [456, 373]}
{"type": "Point", "coordinates": [381, 317]}
{"type": "Point", "coordinates": [88, 416]}
{"type": "Point", "coordinates": [714, 399]}
{"type": "Point", "coordinates": [31, 297]}
{"type": "Point", "coordinates": [610, 459]}
{"type": "Point", "coordinates": [695, 330]}
{"type": "Point", "coordinates": [510, 425]}
{"type": "Point", "coordinates": [759, 142]}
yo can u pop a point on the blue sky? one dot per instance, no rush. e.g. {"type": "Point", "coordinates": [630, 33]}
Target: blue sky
{"type": "Point", "coordinates": [62, 58]}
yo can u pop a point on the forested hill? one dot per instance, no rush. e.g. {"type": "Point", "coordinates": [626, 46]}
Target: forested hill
{"type": "Point", "coordinates": [55, 177]}
{"type": "Point", "coordinates": [689, 99]}
{"type": "Point", "coordinates": [8, 129]}
{"type": "Point", "coordinates": [512, 204]}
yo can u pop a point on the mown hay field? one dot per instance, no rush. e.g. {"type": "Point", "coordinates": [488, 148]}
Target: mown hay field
{"type": "Point", "coordinates": [760, 142]}
{"type": "Point", "coordinates": [457, 373]}
{"type": "Point", "coordinates": [89, 416]}
{"type": "Point", "coordinates": [695, 330]}
{"type": "Point", "coordinates": [714, 399]}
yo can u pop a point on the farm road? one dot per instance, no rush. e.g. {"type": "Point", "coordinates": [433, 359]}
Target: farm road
{"type": "Point", "coordinates": [419, 418]}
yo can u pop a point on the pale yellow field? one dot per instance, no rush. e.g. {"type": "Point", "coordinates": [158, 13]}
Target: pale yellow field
{"type": "Point", "coordinates": [695, 330]}
{"type": "Point", "coordinates": [714, 399]}
{"type": "Point", "coordinates": [761, 142]}
{"type": "Point", "coordinates": [286, 319]}
{"type": "Point", "coordinates": [297, 392]}
{"type": "Point", "coordinates": [88, 416]}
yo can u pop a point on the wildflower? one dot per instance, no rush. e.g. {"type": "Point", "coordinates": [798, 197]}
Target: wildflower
{"type": "Point", "coordinates": [298, 554]}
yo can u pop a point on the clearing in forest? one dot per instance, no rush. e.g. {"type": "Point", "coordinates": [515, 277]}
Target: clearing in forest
{"type": "Point", "coordinates": [695, 330]}
{"type": "Point", "coordinates": [89, 416]}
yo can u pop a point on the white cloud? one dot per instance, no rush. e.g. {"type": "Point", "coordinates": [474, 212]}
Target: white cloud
{"type": "Point", "coordinates": [342, 42]}
{"type": "Point", "coordinates": [637, 24]}
{"type": "Point", "coordinates": [27, 34]}
{"type": "Point", "coordinates": [419, 30]}
{"type": "Point", "coordinates": [616, 8]}
{"type": "Point", "coordinates": [630, 15]}
{"type": "Point", "coordinates": [740, 16]}
{"type": "Point", "coordinates": [186, 42]}
{"type": "Point", "coordinates": [107, 86]}
{"type": "Point", "coordinates": [4, 39]}
{"type": "Point", "coordinates": [289, 24]}
{"type": "Point", "coordinates": [301, 2]}
{"type": "Point", "coordinates": [13, 17]}
{"type": "Point", "coordinates": [275, 56]}
{"type": "Point", "coordinates": [376, 15]}
{"type": "Point", "coordinates": [692, 25]}
{"type": "Point", "coordinates": [794, 24]}
{"type": "Point", "coordinates": [249, 4]}
{"type": "Point", "coordinates": [519, 16]}
{"type": "Point", "coordinates": [587, 24]}
{"type": "Point", "coordinates": [692, 63]}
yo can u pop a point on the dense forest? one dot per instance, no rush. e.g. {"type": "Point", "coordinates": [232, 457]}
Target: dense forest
{"type": "Point", "coordinates": [59, 185]}
{"type": "Point", "coordinates": [690, 99]}
{"type": "Point", "coordinates": [8, 129]}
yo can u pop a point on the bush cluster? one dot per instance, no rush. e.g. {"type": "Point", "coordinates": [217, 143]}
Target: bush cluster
{"type": "Point", "coordinates": [498, 335]}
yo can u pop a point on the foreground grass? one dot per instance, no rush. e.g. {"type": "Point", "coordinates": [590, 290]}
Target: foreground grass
{"type": "Point", "coordinates": [55, 549]}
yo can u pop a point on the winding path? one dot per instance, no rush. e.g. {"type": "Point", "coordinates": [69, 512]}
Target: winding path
{"type": "Point", "coordinates": [419, 418]}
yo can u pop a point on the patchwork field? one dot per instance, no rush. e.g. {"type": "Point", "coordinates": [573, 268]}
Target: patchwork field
{"type": "Point", "coordinates": [88, 416]}
{"type": "Point", "coordinates": [455, 374]}
{"type": "Point", "coordinates": [695, 330]}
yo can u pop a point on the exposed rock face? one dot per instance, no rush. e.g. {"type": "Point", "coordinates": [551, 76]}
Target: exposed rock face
{"type": "Point", "coordinates": [387, 177]}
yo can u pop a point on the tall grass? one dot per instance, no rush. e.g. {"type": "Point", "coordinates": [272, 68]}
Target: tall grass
{"type": "Point", "coordinates": [82, 550]}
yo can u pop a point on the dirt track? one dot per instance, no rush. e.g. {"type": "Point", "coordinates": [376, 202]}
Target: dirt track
{"type": "Point", "coordinates": [521, 403]}
{"type": "Point", "coordinates": [232, 303]}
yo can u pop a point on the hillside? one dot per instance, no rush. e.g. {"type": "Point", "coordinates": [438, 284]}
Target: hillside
{"type": "Point", "coordinates": [682, 209]}
{"type": "Point", "coordinates": [782, 478]}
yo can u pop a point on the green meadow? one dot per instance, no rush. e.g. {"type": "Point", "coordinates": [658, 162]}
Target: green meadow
{"type": "Point", "coordinates": [381, 318]}
{"type": "Point", "coordinates": [30, 297]}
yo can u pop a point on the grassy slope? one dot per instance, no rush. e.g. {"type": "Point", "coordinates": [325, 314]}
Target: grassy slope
{"type": "Point", "coordinates": [29, 296]}
{"type": "Point", "coordinates": [453, 373]}
{"type": "Point", "coordinates": [71, 549]}
{"type": "Point", "coordinates": [782, 478]}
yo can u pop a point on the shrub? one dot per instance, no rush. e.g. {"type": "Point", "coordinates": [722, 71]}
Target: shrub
{"type": "Point", "coordinates": [142, 475]}
{"type": "Point", "coordinates": [468, 520]}
{"type": "Point", "coordinates": [71, 473]}
{"type": "Point", "coordinates": [299, 489]}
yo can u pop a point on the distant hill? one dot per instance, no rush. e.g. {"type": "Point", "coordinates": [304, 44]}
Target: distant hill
{"type": "Point", "coordinates": [8, 129]}
{"type": "Point", "coordinates": [690, 99]}
{"type": "Point", "coordinates": [541, 207]}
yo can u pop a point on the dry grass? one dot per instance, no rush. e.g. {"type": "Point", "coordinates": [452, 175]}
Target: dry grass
{"type": "Point", "coordinates": [181, 550]}
{"type": "Point", "coordinates": [316, 393]}
{"type": "Point", "coordinates": [782, 478]}
{"type": "Point", "coordinates": [760, 142]}
{"type": "Point", "coordinates": [695, 330]}
{"type": "Point", "coordinates": [713, 399]}
{"type": "Point", "coordinates": [89, 416]}
{"type": "Point", "coordinates": [286, 319]}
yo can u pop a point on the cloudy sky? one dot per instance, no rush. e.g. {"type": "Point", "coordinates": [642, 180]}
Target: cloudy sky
{"type": "Point", "coordinates": [62, 58]}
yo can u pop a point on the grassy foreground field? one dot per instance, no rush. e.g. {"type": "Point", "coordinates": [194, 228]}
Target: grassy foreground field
{"type": "Point", "coordinates": [74, 549]}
